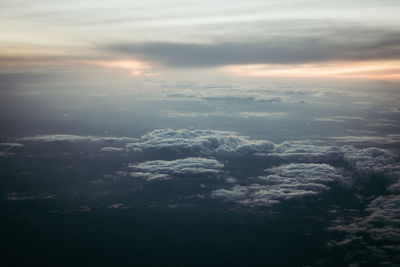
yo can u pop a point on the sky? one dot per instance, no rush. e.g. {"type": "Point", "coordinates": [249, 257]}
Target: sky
{"type": "Point", "coordinates": [295, 39]}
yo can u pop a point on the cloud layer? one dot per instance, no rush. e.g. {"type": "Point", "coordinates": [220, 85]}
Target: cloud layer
{"type": "Point", "coordinates": [163, 169]}
{"type": "Point", "coordinates": [284, 182]}
{"type": "Point", "coordinates": [75, 138]}
{"type": "Point", "coordinates": [202, 142]}
{"type": "Point", "coordinates": [357, 45]}
{"type": "Point", "coordinates": [294, 168]}
{"type": "Point", "coordinates": [377, 233]}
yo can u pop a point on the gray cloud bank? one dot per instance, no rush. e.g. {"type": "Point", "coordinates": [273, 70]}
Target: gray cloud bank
{"type": "Point", "coordinates": [303, 47]}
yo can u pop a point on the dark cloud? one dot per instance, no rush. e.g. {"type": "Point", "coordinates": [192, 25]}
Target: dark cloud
{"type": "Point", "coordinates": [305, 48]}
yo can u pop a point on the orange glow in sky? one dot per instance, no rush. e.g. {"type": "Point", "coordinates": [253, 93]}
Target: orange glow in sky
{"type": "Point", "coordinates": [135, 67]}
{"type": "Point", "coordinates": [364, 70]}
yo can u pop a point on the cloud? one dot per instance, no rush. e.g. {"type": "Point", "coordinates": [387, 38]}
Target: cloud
{"type": "Point", "coordinates": [118, 206]}
{"type": "Point", "coordinates": [372, 161]}
{"type": "Point", "coordinates": [211, 143]}
{"type": "Point", "coordinates": [364, 162]}
{"type": "Point", "coordinates": [6, 149]}
{"type": "Point", "coordinates": [305, 150]}
{"type": "Point", "coordinates": [356, 45]}
{"type": "Point", "coordinates": [389, 139]}
{"type": "Point", "coordinates": [112, 149]}
{"type": "Point", "coordinates": [338, 118]}
{"type": "Point", "coordinates": [74, 138]}
{"type": "Point", "coordinates": [377, 234]}
{"type": "Point", "coordinates": [244, 115]}
{"type": "Point", "coordinates": [204, 93]}
{"type": "Point", "coordinates": [162, 169]}
{"type": "Point", "coordinates": [295, 168]}
{"type": "Point", "coordinates": [202, 142]}
{"type": "Point", "coordinates": [18, 197]}
{"type": "Point", "coordinates": [11, 145]}
{"type": "Point", "coordinates": [284, 182]}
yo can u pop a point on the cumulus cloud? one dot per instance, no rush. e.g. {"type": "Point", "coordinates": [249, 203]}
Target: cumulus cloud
{"type": "Point", "coordinates": [377, 233]}
{"type": "Point", "coordinates": [302, 168]}
{"type": "Point", "coordinates": [202, 142]}
{"type": "Point", "coordinates": [211, 143]}
{"type": "Point", "coordinates": [297, 150]}
{"type": "Point", "coordinates": [284, 182]}
{"type": "Point", "coordinates": [163, 169]}
{"type": "Point", "coordinates": [75, 138]}
{"type": "Point", "coordinates": [366, 161]}
{"type": "Point", "coordinates": [371, 161]}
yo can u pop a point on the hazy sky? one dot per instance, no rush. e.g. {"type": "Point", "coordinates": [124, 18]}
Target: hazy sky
{"type": "Point", "coordinates": [302, 38]}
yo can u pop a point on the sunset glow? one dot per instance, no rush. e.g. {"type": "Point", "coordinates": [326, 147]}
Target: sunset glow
{"type": "Point", "coordinates": [136, 68]}
{"type": "Point", "coordinates": [351, 70]}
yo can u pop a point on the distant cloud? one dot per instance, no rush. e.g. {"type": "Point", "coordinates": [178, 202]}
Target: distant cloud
{"type": "Point", "coordinates": [11, 145]}
{"type": "Point", "coordinates": [163, 169]}
{"type": "Point", "coordinates": [75, 138]}
{"type": "Point", "coordinates": [295, 168]}
{"type": "Point", "coordinates": [112, 149]}
{"type": "Point", "coordinates": [365, 161]}
{"type": "Point", "coordinates": [204, 93]}
{"type": "Point", "coordinates": [202, 142]}
{"type": "Point", "coordinates": [284, 182]}
{"type": "Point", "coordinates": [377, 233]}
{"type": "Point", "coordinates": [331, 45]}
{"type": "Point", "coordinates": [338, 119]}
{"type": "Point", "coordinates": [7, 149]}
{"type": "Point", "coordinates": [244, 115]}
{"type": "Point", "coordinates": [389, 139]}
{"type": "Point", "coordinates": [19, 197]}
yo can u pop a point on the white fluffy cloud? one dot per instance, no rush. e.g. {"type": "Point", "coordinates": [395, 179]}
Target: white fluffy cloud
{"type": "Point", "coordinates": [364, 161]}
{"type": "Point", "coordinates": [296, 150]}
{"type": "Point", "coordinates": [284, 182]}
{"type": "Point", "coordinates": [202, 142]}
{"type": "Point", "coordinates": [163, 169]}
{"type": "Point", "coordinates": [372, 161]}
{"type": "Point", "coordinates": [306, 170]}
{"type": "Point", "coordinates": [224, 143]}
